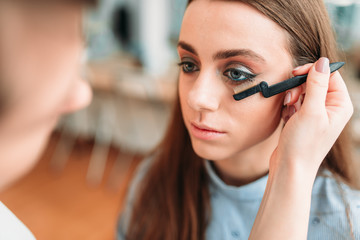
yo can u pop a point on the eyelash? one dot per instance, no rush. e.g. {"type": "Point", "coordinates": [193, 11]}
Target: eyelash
{"type": "Point", "coordinates": [248, 76]}
{"type": "Point", "coordinates": [182, 64]}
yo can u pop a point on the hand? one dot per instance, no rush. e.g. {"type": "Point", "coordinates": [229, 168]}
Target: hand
{"type": "Point", "coordinates": [315, 115]}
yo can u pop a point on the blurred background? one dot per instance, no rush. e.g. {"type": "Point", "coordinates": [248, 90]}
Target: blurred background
{"type": "Point", "coordinates": [75, 190]}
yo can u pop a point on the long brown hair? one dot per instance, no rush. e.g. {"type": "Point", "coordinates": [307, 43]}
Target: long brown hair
{"type": "Point", "coordinates": [173, 200]}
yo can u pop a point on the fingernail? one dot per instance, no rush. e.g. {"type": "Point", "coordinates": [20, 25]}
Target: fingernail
{"type": "Point", "coordinates": [292, 110]}
{"type": "Point", "coordinates": [287, 98]}
{"type": "Point", "coordinates": [322, 65]}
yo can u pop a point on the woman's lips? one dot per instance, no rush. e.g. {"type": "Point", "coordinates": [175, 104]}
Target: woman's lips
{"type": "Point", "coordinates": [204, 132]}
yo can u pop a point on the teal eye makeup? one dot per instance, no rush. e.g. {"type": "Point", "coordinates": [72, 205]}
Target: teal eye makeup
{"type": "Point", "coordinates": [269, 91]}
{"type": "Point", "coordinates": [238, 75]}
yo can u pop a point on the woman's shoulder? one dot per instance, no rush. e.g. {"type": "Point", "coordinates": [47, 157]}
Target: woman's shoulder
{"type": "Point", "coordinates": [139, 176]}
{"type": "Point", "coordinates": [333, 191]}
{"type": "Point", "coordinates": [335, 208]}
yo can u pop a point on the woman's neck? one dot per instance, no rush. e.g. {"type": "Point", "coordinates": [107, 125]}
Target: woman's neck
{"type": "Point", "coordinates": [249, 165]}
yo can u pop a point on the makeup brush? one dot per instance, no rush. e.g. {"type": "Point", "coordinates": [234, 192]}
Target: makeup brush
{"type": "Point", "coordinates": [290, 83]}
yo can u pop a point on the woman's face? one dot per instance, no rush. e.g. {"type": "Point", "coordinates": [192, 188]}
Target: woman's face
{"type": "Point", "coordinates": [227, 45]}
{"type": "Point", "coordinates": [40, 50]}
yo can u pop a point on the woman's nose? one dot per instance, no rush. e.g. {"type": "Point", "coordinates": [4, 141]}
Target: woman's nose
{"type": "Point", "coordinates": [205, 93]}
{"type": "Point", "coordinates": [78, 97]}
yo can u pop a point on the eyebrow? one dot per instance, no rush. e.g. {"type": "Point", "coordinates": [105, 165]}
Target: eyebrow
{"type": "Point", "coordinates": [187, 47]}
{"type": "Point", "coordinates": [238, 52]}
{"type": "Point", "coordinates": [223, 54]}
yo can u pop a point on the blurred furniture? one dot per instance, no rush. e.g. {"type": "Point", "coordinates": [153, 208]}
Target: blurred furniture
{"type": "Point", "coordinates": [345, 16]}
{"type": "Point", "coordinates": [130, 110]}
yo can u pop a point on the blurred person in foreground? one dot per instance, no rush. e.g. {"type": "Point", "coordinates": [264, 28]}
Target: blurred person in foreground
{"type": "Point", "coordinates": [41, 47]}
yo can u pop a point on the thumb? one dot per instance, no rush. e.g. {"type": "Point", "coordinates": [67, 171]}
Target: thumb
{"type": "Point", "coordinates": [317, 84]}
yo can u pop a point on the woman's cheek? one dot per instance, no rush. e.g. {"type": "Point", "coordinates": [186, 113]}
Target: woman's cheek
{"type": "Point", "coordinates": [183, 93]}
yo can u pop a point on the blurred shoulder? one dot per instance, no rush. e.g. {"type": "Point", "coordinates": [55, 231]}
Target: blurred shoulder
{"type": "Point", "coordinates": [334, 192]}
{"type": "Point", "coordinates": [138, 177]}
{"type": "Point", "coordinates": [335, 208]}
{"type": "Point", "coordinates": [140, 173]}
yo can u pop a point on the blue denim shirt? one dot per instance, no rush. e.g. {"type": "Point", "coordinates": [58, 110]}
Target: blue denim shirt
{"type": "Point", "coordinates": [234, 208]}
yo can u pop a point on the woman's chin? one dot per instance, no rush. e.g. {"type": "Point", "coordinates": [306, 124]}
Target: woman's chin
{"type": "Point", "coordinates": [209, 152]}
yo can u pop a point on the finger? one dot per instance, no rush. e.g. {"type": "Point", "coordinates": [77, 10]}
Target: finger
{"type": "Point", "coordinates": [337, 83]}
{"type": "Point", "coordinates": [338, 95]}
{"type": "Point", "coordinates": [317, 84]}
{"type": "Point", "coordinates": [288, 112]}
{"type": "Point", "coordinates": [301, 70]}
{"type": "Point", "coordinates": [285, 114]}
{"type": "Point", "coordinates": [292, 96]}
{"type": "Point", "coordinates": [291, 110]}
{"type": "Point", "coordinates": [299, 102]}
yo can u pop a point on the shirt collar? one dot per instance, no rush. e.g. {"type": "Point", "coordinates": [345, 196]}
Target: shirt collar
{"type": "Point", "coordinates": [251, 191]}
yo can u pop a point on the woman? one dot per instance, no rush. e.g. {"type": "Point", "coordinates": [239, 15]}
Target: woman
{"type": "Point", "coordinates": [221, 158]}
{"type": "Point", "coordinates": [40, 55]}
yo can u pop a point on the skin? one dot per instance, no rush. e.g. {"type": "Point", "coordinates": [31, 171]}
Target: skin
{"type": "Point", "coordinates": [41, 49]}
{"type": "Point", "coordinates": [242, 154]}
{"type": "Point", "coordinates": [252, 139]}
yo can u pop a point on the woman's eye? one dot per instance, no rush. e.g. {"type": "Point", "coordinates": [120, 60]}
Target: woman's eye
{"type": "Point", "coordinates": [237, 75]}
{"type": "Point", "coordinates": [188, 67]}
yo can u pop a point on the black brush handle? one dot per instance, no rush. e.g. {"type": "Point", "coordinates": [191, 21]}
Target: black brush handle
{"type": "Point", "coordinates": [247, 93]}
{"type": "Point", "coordinates": [292, 82]}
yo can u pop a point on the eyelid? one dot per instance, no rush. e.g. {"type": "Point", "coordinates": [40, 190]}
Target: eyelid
{"type": "Point", "coordinates": [182, 62]}
{"type": "Point", "coordinates": [238, 65]}
{"type": "Point", "coordinates": [189, 59]}
{"type": "Point", "coordinates": [250, 76]}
